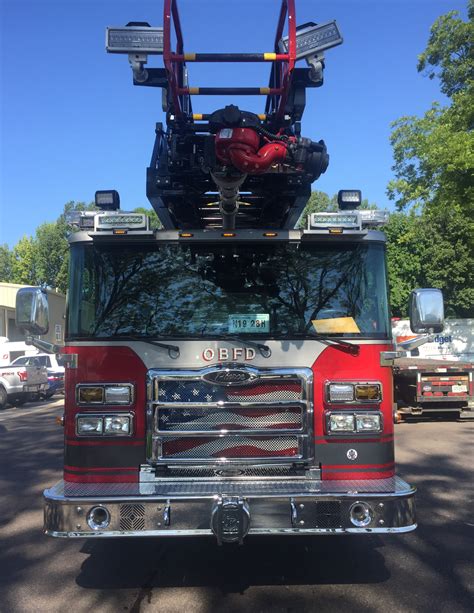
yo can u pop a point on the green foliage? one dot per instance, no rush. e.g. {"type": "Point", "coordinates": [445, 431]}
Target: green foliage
{"type": "Point", "coordinates": [24, 262]}
{"type": "Point", "coordinates": [403, 261]}
{"type": "Point", "coordinates": [434, 171]}
{"type": "Point", "coordinates": [5, 264]}
{"type": "Point", "coordinates": [449, 54]}
{"type": "Point", "coordinates": [155, 223]}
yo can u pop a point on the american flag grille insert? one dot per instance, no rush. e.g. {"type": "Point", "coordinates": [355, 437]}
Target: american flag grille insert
{"type": "Point", "coordinates": [231, 447]}
{"type": "Point", "coordinates": [219, 419]}
{"type": "Point", "coordinates": [193, 419]}
{"type": "Point", "coordinates": [202, 391]}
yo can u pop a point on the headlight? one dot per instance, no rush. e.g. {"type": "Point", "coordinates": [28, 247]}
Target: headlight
{"type": "Point", "coordinates": [368, 422]}
{"type": "Point", "coordinates": [357, 423]}
{"type": "Point", "coordinates": [369, 391]}
{"type": "Point", "coordinates": [117, 394]}
{"type": "Point", "coordinates": [107, 393]}
{"type": "Point", "coordinates": [89, 426]}
{"type": "Point", "coordinates": [341, 392]}
{"type": "Point", "coordinates": [341, 422]}
{"type": "Point", "coordinates": [90, 395]}
{"type": "Point", "coordinates": [104, 425]}
{"type": "Point", "coordinates": [117, 424]}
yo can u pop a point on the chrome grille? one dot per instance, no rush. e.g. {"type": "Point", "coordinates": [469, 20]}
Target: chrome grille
{"type": "Point", "coordinates": [191, 418]}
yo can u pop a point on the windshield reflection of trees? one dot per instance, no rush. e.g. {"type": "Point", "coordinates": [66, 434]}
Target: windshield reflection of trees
{"type": "Point", "coordinates": [184, 290]}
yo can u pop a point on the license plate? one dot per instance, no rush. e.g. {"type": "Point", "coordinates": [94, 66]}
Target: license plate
{"type": "Point", "coordinates": [459, 388]}
{"type": "Point", "coordinates": [257, 324]}
{"type": "Point", "coordinates": [32, 388]}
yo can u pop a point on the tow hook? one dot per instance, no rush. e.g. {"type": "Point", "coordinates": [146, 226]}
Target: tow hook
{"type": "Point", "coordinates": [230, 519]}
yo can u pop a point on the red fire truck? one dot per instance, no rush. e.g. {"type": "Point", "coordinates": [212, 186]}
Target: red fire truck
{"type": "Point", "coordinates": [228, 374]}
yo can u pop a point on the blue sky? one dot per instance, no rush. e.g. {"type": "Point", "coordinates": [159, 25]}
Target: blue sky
{"type": "Point", "coordinates": [72, 122]}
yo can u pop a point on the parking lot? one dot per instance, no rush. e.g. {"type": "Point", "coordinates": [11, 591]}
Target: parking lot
{"type": "Point", "coordinates": [430, 569]}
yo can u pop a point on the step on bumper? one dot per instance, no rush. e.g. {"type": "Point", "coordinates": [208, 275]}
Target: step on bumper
{"type": "Point", "coordinates": [229, 509]}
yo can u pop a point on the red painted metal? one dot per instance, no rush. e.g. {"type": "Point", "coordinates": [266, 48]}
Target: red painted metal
{"type": "Point", "coordinates": [175, 60]}
{"type": "Point", "coordinates": [243, 151]}
{"type": "Point", "coordinates": [335, 365]}
{"type": "Point", "coordinates": [104, 364]}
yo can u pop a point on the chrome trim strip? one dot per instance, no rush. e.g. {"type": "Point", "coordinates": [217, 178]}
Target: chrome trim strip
{"type": "Point", "coordinates": [269, 532]}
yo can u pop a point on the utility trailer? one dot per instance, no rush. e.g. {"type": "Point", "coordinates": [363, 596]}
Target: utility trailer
{"type": "Point", "coordinates": [439, 376]}
{"type": "Point", "coordinates": [228, 374]}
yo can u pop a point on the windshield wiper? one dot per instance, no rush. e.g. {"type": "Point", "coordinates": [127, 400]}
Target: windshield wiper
{"type": "Point", "coordinates": [173, 350]}
{"type": "Point", "coordinates": [264, 349]}
{"type": "Point", "coordinates": [337, 343]}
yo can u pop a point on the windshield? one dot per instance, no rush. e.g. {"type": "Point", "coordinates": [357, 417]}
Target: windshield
{"type": "Point", "coordinates": [190, 290]}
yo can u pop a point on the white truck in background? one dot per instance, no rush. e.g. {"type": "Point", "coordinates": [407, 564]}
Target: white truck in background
{"type": "Point", "coordinates": [437, 377]}
{"type": "Point", "coordinates": [18, 384]}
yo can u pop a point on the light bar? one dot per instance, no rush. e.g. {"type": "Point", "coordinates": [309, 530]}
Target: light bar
{"type": "Point", "coordinates": [374, 217]}
{"type": "Point", "coordinates": [312, 39]}
{"type": "Point", "coordinates": [128, 221]}
{"type": "Point", "coordinates": [80, 220]}
{"type": "Point", "coordinates": [325, 221]}
{"type": "Point", "coordinates": [349, 199]}
{"type": "Point", "coordinates": [134, 39]}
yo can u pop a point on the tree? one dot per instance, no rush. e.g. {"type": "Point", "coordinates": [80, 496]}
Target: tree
{"type": "Point", "coordinates": [403, 259]}
{"type": "Point", "coordinates": [24, 262]}
{"type": "Point", "coordinates": [448, 55]}
{"type": "Point", "coordinates": [155, 223]}
{"type": "Point", "coordinates": [5, 264]}
{"type": "Point", "coordinates": [433, 166]}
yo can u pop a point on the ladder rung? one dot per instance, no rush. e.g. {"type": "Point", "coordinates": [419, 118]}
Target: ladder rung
{"type": "Point", "coordinates": [232, 91]}
{"type": "Point", "coordinates": [230, 57]}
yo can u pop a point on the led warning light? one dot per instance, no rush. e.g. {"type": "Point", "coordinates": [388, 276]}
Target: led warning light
{"type": "Point", "coordinates": [313, 38]}
{"type": "Point", "coordinates": [134, 39]}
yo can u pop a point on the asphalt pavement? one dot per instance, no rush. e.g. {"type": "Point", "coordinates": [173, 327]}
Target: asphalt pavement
{"type": "Point", "coordinates": [430, 569]}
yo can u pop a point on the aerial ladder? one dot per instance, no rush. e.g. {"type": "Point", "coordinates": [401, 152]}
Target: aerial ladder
{"type": "Point", "coordinates": [230, 169]}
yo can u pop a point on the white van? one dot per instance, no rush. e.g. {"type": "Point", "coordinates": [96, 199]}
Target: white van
{"type": "Point", "coordinates": [10, 350]}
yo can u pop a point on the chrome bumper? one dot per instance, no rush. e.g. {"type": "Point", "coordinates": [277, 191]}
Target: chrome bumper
{"type": "Point", "coordinates": [229, 508]}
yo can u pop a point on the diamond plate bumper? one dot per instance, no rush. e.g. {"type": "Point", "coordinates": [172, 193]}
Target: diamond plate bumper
{"type": "Point", "coordinates": [176, 508]}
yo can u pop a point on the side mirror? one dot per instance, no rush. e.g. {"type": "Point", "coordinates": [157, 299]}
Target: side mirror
{"type": "Point", "coordinates": [32, 312]}
{"type": "Point", "coordinates": [426, 310]}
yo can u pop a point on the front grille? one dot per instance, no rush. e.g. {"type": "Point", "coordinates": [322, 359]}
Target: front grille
{"type": "Point", "coordinates": [207, 419]}
{"type": "Point", "coordinates": [256, 472]}
{"type": "Point", "coordinates": [192, 419]}
{"type": "Point", "coordinates": [231, 447]}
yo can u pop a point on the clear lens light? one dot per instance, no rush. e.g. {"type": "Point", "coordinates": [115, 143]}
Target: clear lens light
{"type": "Point", "coordinates": [368, 423]}
{"type": "Point", "coordinates": [89, 425]}
{"type": "Point", "coordinates": [341, 392]}
{"type": "Point", "coordinates": [341, 422]}
{"type": "Point", "coordinates": [116, 424]}
{"type": "Point", "coordinates": [117, 395]}
{"type": "Point", "coordinates": [134, 39]}
{"type": "Point", "coordinates": [313, 39]}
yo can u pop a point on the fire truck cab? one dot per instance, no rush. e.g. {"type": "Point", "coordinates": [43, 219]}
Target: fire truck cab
{"type": "Point", "coordinates": [229, 374]}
